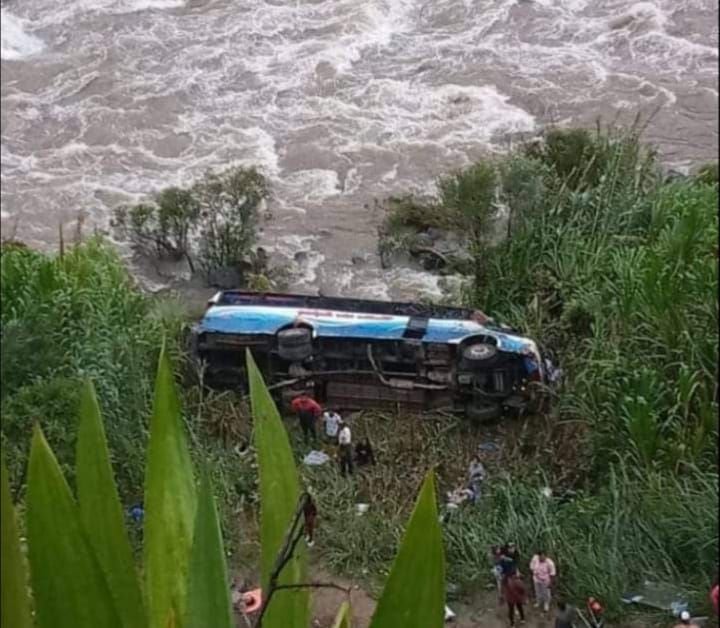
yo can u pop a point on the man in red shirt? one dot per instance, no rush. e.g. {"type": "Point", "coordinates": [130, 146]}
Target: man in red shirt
{"type": "Point", "coordinates": [515, 596]}
{"type": "Point", "coordinates": [307, 411]}
{"type": "Point", "coordinates": [714, 593]}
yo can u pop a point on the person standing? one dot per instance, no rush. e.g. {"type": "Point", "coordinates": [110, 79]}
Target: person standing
{"type": "Point", "coordinates": [543, 572]}
{"type": "Point", "coordinates": [515, 597]}
{"type": "Point", "coordinates": [496, 556]}
{"type": "Point", "coordinates": [509, 560]}
{"type": "Point", "coordinates": [331, 424]}
{"type": "Point", "coordinates": [364, 454]}
{"type": "Point", "coordinates": [310, 516]}
{"type": "Point", "coordinates": [566, 615]}
{"type": "Point", "coordinates": [476, 476]}
{"type": "Point", "coordinates": [345, 446]}
{"type": "Point", "coordinates": [307, 411]}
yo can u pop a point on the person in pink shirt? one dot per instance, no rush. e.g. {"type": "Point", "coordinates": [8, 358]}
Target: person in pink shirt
{"type": "Point", "coordinates": [543, 572]}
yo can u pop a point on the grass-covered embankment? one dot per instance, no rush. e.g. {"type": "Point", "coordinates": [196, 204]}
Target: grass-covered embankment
{"type": "Point", "coordinates": [613, 267]}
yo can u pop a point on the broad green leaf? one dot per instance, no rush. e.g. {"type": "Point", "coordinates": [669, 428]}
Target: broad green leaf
{"type": "Point", "coordinates": [68, 584]}
{"type": "Point", "coordinates": [414, 594]}
{"type": "Point", "coordinates": [15, 610]}
{"type": "Point", "coordinates": [170, 503]}
{"type": "Point", "coordinates": [342, 619]}
{"type": "Point", "coordinates": [279, 496]}
{"type": "Point", "coordinates": [102, 514]}
{"type": "Point", "coordinates": [208, 596]}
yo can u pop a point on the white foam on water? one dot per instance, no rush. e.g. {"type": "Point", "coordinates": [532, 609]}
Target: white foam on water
{"type": "Point", "coordinates": [313, 185]}
{"type": "Point", "coordinates": [385, 95]}
{"type": "Point", "coordinates": [16, 42]}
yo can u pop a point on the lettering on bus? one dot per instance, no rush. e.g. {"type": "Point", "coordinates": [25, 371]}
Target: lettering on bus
{"type": "Point", "coordinates": [345, 315]}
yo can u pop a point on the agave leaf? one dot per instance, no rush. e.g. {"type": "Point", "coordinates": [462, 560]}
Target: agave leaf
{"type": "Point", "coordinates": [279, 496]}
{"type": "Point", "coordinates": [170, 503]}
{"type": "Point", "coordinates": [208, 596]}
{"type": "Point", "coordinates": [15, 609]}
{"type": "Point", "coordinates": [414, 594]}
{"type": "Point", "coordinates": [102, 514]}
{"type": "Point", "coordinates": [70, 589]}
{"type": "Point", "coordinates": [342, 619]}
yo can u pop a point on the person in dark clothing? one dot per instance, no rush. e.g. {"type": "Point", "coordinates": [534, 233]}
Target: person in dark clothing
{"type": "Point", "coordinates": [565, 616]}
{"type": "Point", "coordinates": [307, 424]}
{"type": "Point", "coordinates": [364, 454]}
{"type": "Point", "coordinates": [310, 516]}
{"type": "Point", "coordinates": [509, 560]}
{"type": "Point", "coordinates": [515, 597]}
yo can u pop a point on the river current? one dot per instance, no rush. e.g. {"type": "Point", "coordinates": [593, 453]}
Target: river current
{"type": "Point", "coordinates": [338, 101]}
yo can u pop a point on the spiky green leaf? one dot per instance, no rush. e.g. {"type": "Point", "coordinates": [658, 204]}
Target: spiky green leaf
{"type": "Point", "coordinates": [414, 594]}
{"type": "Point", "coordinates": [170, 503]}
{"type": "Point", "coordinates": [102, 514]}
{"type": "Point", "coordinates": [342, 619]}
{"type": "Point", "coordinates": [279, 496]}
{"type": "Point", "coordinates": [70, 588]}
{"type": "Point", "coordinates": [15, 610]}
{"type": "Point", "coordinates": [208, 601]}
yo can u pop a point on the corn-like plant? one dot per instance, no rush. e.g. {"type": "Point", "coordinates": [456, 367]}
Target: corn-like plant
{"type": "Point", "coordinates": [81, 568]}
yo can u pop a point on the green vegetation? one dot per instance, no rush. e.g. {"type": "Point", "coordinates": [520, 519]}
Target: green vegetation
{"type": "Point", "coordinates": [614, 269]}
{"type": "Point", "coordinates": [221, 210]}
{"type": "Point", "coordinates": [65, 318]}
{"type": "Point", "coordinates": [609, 264]}
{"type": "Point", "coordinates": [82, 574]}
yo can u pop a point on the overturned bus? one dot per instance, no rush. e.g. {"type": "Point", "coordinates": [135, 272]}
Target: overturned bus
{"type": "Point", "coordinates": [354, 354]}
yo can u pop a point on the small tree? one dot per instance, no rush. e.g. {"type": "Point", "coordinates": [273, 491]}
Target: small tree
{"type": "Point", "coordinates": [230, 202]}
{"type": "Point", "coordinates": [222, 209]}
{"type": "Point", "coordinates": [162, 227]}
{"type": "Point", "coordinates": [470, 196]}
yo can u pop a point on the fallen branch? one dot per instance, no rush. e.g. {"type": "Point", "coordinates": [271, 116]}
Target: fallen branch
{"type": "Point", "coordinates": [315, 585]}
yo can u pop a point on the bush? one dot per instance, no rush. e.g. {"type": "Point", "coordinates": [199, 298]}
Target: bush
{"type": "Point", "coordinates": [71, 316]}
{"type": "Point", "coordinates": [469, 195]}
{"type": "Point", "coordinates": [618, 279]}
{"type": "Point", "coordinates": [708, 174]}
{"type": "Point", "coordinates": [221, 211]}
{"type": "Point", "coordinates": [161, 228]}
{"type": "Point", "coordinates": [229, 202]}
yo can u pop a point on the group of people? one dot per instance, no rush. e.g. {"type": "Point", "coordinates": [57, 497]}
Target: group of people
{"type": "Point", "coordinates": [336, 431]}
{"type": "Point", "coordinates": [511, 586]}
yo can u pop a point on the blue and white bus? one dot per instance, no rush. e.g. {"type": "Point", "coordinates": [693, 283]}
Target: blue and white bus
{"type": "Point", "coordinates": [353, 353]}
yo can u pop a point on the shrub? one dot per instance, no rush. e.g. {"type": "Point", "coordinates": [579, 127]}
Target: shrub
{"type": "Point", "coordinates": [708, 174]}
{"type": "Point", "coordinates": [68, 317]}
{"type": "Point", "coordinates": [618, 279]}
{"type": "Point", "coordinates": [220, 210]}
{"type": "Point", "coordinates": [230, 202]}
{"type": "Point", "coordinates": [163, 227]}
{"type": "Point", "coordinates": [470, 196]}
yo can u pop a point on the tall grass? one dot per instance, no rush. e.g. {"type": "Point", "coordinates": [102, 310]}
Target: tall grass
{"type": "Point", "coordinates": [68, 317]}
{"type": "Point", "coordinates": [638, 526]}
{"type": "Point", "coordinates": [615, 270]}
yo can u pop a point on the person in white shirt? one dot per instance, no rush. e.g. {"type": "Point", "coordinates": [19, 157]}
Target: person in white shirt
{"type": "Point", "coordinates": [345, 453]}
{"type": "Point", "coordinates": [332, 422]}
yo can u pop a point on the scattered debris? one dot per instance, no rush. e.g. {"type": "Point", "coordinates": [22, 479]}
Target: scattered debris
{"type": "Point", "coordinates": [316, 458]}
{"type": "Point", "coordinates": [663, 596]}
